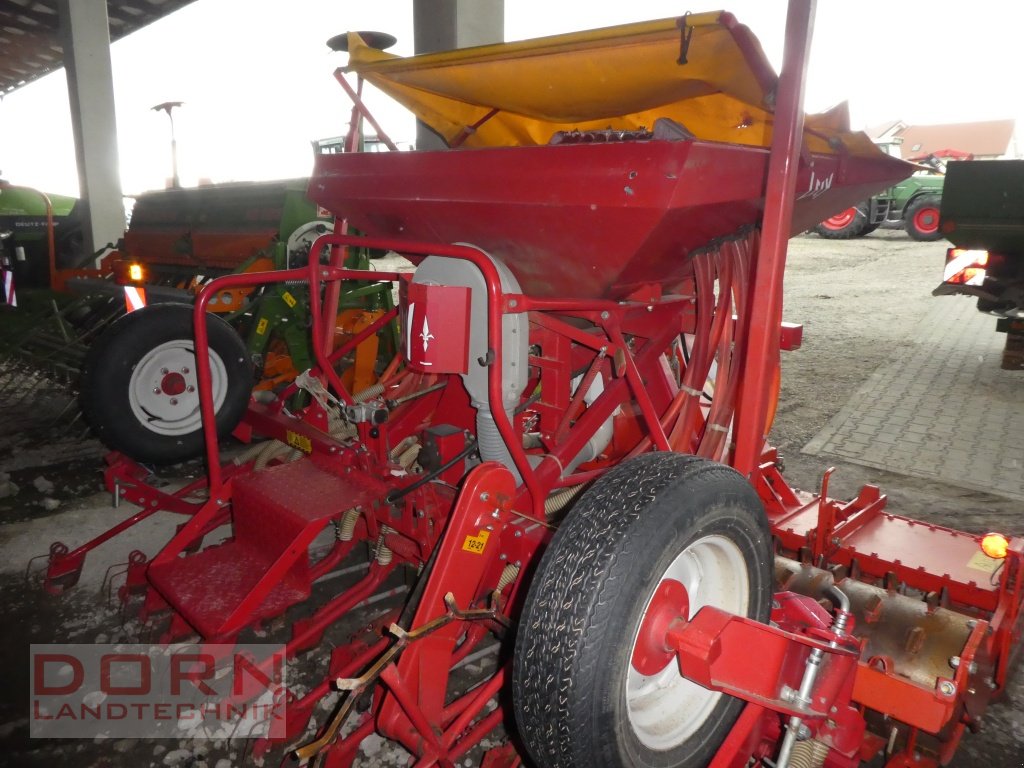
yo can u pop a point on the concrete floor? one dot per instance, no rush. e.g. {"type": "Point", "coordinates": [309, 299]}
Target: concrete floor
{"type": "Point", "coordinates": [946, 411]}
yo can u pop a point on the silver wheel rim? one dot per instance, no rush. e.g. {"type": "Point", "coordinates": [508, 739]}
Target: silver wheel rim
{"type": "Point", "coordinates": [665, 709]}
{"type": "Point", "coordinates": [163, 390]}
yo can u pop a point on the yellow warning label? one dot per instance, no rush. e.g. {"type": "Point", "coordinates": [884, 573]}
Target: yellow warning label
{"type": "Point", "coordinates": [261, 326]}
{"type": "Point", "coordinates": [981, 562]}
{"type": "Point", "coordinates": [290, 300]}
{"type": "Point", "coordinates": [476, 544]}
{"type": "Point", "coordinates": [295, 440]}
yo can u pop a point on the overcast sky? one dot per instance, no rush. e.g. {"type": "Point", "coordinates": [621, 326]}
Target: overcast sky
{"type": "Point", "coordinates": [256, 80]}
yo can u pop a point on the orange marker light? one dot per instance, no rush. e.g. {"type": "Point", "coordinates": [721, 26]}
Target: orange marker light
{"type": "Point", "coordinates": [135, 272]}
{"type": "Point", "coordinates": [995, 545]}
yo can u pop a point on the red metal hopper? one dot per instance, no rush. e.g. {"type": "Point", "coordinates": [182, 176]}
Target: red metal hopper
{"type": "Point", "coordinates": [594, 162]}
{"type": "Point", "coordinates": [586, 220]}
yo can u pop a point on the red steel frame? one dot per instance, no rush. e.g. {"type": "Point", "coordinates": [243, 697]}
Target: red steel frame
{"type": "Point", "coordinates": [469, 590]}
{"type": "Point", "coordinates": [766, 301]}
{"type": "Point", "coordinates": [417, 709]}
{"type": "Point", "coordinates": [419, 704]}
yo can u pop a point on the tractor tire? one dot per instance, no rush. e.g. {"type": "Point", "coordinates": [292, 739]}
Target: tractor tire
{"type": "Point", "coordinates": [845, 225]}
{"type": "Point", "coordinates": [139, 390]}
{"type": "Point", "coordinates": [70, 247]}
{"type": "Point", "coordinates": [921, 219]}
{"type": "Point", "coordinates": [579, 701]}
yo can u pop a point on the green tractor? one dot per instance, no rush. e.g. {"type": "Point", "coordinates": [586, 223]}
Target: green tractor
{"type": "Point", "coordinates": [914, 204]}
{"type": "Point", "coordinates": [24, 222]}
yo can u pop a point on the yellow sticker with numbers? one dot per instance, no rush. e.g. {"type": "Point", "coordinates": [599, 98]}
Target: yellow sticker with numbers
{"type": "Point", "coordinates": [261, 326]}
{"type": "Point", "coordinates": [290, 300]}
{"type": "Point", "coordinates": [476, 544]}
{"type": "Point", "coordinates": [295, 440]}
{"type": "Point", "coordinates": [981, 562]}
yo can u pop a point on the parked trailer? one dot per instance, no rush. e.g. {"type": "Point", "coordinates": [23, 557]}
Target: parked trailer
{"type": "Point", "coordinates": [570, 455]}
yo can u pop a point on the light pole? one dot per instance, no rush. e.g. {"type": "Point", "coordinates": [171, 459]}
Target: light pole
{"type": "Point", "coordinates": [167, 107]}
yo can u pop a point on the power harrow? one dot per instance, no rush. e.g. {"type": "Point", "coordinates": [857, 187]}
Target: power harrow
{"type": "Point", "coordinates": [567, 456]}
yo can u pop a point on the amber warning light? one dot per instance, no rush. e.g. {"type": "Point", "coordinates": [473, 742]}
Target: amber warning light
{"type": "Point", "coordinates": [995, 545]}
{"type": "Point", "coordinates": [135, 273]}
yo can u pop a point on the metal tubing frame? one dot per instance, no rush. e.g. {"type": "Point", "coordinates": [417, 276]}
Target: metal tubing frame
{"type": "Point", "coordinates": [345, 348]}
{"type": "Point", "coordinates": [203, 375]}
{"type": "Point", "coordinates": [152, 500]}
{"type": "Point", "coordinates": [766, 289]}
{"type": "Point", "coordinates": [358, 106]}
{"type": "Point", "coordinates": [317, 272]}
{"type": "Point", "coordinates": [607, 315]}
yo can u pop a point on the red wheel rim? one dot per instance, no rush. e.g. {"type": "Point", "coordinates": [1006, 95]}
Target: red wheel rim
{"type": "Point", "coordinates": [840, 220]}
{"type": "Point", "coordinates": [670, 603]}
{"type": "Point", "coordinates": [927, 220]}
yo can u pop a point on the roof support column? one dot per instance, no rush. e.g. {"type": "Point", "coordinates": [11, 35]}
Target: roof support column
{"type": "Point", "coordinates": [86, 40]}
{"type": "Point", "coordinates": [442, 25]}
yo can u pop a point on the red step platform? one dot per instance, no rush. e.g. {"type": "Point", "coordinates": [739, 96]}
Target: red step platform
{"type": "Point", "coordinates": [264, 568]}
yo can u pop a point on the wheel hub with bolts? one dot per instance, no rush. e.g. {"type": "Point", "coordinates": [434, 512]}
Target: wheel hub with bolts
{"type": "Point", "coordinates": [173, 383]}
{"type": "Point", "coordinates": [162, 389]}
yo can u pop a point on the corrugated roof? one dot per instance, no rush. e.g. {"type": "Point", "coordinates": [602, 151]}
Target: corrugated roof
{"type": "Point", "coordinates": [985, 139]}
{"type": "Point", "coordinates": [30, 42]}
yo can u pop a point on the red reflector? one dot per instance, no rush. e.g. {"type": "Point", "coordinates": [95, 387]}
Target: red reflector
{"type": "Point", "coordinates": [792, 336]}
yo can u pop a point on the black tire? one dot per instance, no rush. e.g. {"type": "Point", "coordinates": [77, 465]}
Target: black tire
{"type": "Point", "coordinates": [571, 670]}
{"type": "Point", "coordinates": [845, 225]}
{"type": "Point", "coordinates": [921, 219]}
{"type": "Point", "coordinates": [138, 387]}
{"type": "Point", "coordinates": [70, 249]}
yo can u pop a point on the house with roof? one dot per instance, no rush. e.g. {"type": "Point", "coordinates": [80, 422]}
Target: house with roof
{"type": "Point", "coordinates": [986, 140]}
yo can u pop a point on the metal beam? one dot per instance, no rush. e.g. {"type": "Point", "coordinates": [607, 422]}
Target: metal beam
{"type": "Point", "coordinates": [762, 356]}
{"type": "Point", "coordinates": [84, 29]}
{"type": "Point", "coordinates": [443, 25]}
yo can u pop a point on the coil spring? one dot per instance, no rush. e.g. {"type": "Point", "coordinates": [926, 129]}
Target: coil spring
{"type": "Point", "coordinates": [403, 446]}
{"type": "Point", "coordinates": [383, 552]}
{"type": "Point", "coordinates": [560, 499]}
{"type": "Point", "coordinates": [808, 754]}
{"type": "Point", "coordinates": [409, 455]}
{"type": "Point", "coordinates": [346, 528]}
{"type": "Point", "coordinates": [508, 575]}
{"type": "Point", "coordinates": [372, 391]}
